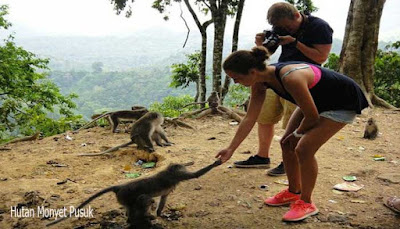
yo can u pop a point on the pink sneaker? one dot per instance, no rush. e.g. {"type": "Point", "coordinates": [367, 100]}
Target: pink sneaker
{"type": "Point", "coordinates": [284, 197]}
{"type": "Point", "coordinates": [300, 210]}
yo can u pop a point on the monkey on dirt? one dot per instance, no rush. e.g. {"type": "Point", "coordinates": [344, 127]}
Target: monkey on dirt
{"type": "Point", "coordinates": [145, 130]}
{"type": "Point", "coordinates": [137, 196]}
{"type": "Point", "coordinates": [115, 117]}
{"type": "Point", "coordinates": [371, 129]}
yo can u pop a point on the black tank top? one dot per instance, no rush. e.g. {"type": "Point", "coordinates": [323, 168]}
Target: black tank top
{"type": "Point", "coordinates": [334, 91]}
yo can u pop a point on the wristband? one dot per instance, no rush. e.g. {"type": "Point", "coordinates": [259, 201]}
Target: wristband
{"type": "Point", "coordinates": [297, 135]}
{"type": "Point", "coordinates": [295, 42]}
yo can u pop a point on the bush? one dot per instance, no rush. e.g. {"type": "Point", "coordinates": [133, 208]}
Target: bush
{"type": "Point", "coordinates": [387, 76]}
{"type": "Point", "coordinates": [237, 95]}
{"type": "Point", "coordinates": [172, 106]}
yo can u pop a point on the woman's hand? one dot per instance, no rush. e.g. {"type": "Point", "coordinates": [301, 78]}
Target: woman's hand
{"type": "Point", "coordinates": [224, 155]}
{"type": "Point", "coordinates": [290, 141]}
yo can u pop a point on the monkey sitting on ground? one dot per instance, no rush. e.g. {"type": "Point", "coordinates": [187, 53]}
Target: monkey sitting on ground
{"type": "Point", "coordinates": [371, 129]}
{"type": "Point", "coordinates": [115, 117]}
{"type": "Point", "coordinates": [145, 129]}
{"type": "Point", "coordinates": [137, 196]}
{"type": "Point", "coordinates": [213, 100]}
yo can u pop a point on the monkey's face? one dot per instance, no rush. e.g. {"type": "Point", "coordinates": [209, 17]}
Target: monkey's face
{"type": "Point", "coordinates": [370, 121]}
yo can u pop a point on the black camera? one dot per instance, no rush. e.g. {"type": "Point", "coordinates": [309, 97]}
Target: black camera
{"type": "Point", "coordinates": [271, 39]}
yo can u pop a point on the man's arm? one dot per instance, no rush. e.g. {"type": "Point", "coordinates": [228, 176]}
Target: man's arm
{"type": "Point", "coordinates": [318, 52]}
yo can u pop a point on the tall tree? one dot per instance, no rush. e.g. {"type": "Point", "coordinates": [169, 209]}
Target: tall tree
{"type": "Point", "coordinates": [235, 41]}
{"type": "Point", "coordinates": [203, 57]}
{"type": "Point", "coordinates": [219, 9]}
{"type": "Point", "coordinates": [360, 44]}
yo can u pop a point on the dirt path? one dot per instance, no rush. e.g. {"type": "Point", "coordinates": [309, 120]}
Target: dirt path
{"type": "Point", "coordinates": [224, 198]}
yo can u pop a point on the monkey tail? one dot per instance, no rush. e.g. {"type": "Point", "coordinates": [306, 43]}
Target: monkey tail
{"type": "Point", "coordinates": [109, 189]}
{"type": "Point", "coordinates": [107, 151]}
{"type": "Point", "coordinates": [86, 125]}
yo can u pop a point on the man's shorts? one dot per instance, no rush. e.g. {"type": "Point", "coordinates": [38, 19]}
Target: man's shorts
{"type": "Point", "coordinates": [274, 108]}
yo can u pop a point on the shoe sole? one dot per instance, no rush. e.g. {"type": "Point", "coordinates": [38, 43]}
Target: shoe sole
{"type": "Point", "coordinates": [252, 166]}
{"type": "Point", "coordinates": [301, 218]}
{"type": "Point", "coordinates": [276, 174]}
{"type": "Point", "coordinates": [278, 205]}
{"type": "Point", "coordinates": [392, 208]}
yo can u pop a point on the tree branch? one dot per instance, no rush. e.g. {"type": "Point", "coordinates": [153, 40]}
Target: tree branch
{"type": "Point", "coordinates": [187, 36]}
{"type": "Point", "coordinates": [205, 3]}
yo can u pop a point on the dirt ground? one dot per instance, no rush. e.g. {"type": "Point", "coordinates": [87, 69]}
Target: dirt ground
{"type": "Point", "coordinates": [224, 198]}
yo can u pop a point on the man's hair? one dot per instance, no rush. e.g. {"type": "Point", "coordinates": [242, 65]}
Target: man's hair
{"type": "Point", "coordinates": [279, 11]}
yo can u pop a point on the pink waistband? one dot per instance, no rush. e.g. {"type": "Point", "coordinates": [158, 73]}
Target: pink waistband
{"type": "Point", "coordinates": [317, 75]}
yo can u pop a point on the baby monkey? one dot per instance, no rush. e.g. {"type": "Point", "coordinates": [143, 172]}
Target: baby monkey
{"type": "Point", "coordinates": [371, 129]}
{"type": "Point", "coordinates": [137, 196]}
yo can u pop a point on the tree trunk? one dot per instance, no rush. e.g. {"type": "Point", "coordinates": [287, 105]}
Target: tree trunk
{"type": "Point", "coordinates": [196, 97]}
{"type": "Point", "coordinates": [203, 89]}
{"type": "Point", "coordinates": [235, 41]}
{"type": "Point", "coordinates": [360, 44]}
{"type": "Point", "coordinates": [219, 13]}
{"type": "Point", "coordinates": [202, 68]}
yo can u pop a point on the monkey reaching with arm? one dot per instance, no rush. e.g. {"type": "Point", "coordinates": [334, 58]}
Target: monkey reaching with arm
{"type": "Point", "coordinates": [137, 196]}
{"type": "Point", "coordinates": [146, 129]}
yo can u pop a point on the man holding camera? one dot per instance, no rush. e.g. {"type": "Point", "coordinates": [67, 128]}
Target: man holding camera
{"type": "Point", "coordinates": [302, 38]}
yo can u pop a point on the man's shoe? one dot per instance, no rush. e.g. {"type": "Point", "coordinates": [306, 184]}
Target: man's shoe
{"type": "Point", "coordinates": [253, 162]}
{"type": "Point", "coordinates": [300, 210]}
{"type": "Point", "coordinates": [284, 197]}
{"type": "Point", "coordinates": [278, 171]}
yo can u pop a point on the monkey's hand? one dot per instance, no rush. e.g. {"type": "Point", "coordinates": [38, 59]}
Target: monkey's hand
{"type": "Point", "coordinates": [217, 162]}
{"type": "Point", "coordinates": [168, 144]}
{"type": "Point", "coordinates": [224, 155]}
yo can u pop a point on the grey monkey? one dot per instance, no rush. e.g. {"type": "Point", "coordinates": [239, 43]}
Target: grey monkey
{"type": "Point", "coordinates": [137, 196]}
{"type": "Point", "coordinates": [143, 131]}
{"type": "Point", "coordinates": [371, 129]}
{"type": "Point", "coordinates": [116, 116]}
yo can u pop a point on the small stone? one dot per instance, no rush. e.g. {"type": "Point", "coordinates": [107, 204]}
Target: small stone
{"type": "Point", "coordinates": [336, 218]}
{"type": "Point", "coordinates": [390, 177]}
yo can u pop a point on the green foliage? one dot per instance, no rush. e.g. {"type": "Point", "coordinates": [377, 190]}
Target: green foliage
{"type": "Point", "coordinates": [27, 97]}
{"type": "Point", "coordinates": [305, 6]}
{"type": "Point", "coordinates": [3, 22]}
{"type": "Point", "coordinates": [110, 91]}
{"type": "Point", "coordinates": [119, 6]}
{"type": "Point", "coordinates": [387, 74]}
{"type": "Point", "coordinates": [333, 62]}
{"type": "Point", "coordinates": [237, 95]}
{"type": "Point", "coordinates": [172, 106]}
{"type": "Point", "coordinates": [184, 74]}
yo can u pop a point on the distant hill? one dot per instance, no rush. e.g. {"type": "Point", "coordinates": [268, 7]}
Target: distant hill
{"type": "Point", "coordinates": [143, 49]}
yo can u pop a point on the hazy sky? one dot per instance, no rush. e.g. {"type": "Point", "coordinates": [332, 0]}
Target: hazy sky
{"type": "Point", "coordinates": [97, 18]}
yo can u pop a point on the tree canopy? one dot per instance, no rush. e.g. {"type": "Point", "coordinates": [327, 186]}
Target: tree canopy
{"type": "Point", "coordinates": [27, 97]}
